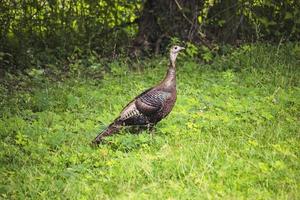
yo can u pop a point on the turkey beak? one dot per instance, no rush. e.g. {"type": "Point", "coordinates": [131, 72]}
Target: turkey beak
{"type": "Point", "coordinates": [181, 48]}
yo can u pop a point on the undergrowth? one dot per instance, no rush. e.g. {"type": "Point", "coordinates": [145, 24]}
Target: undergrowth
{"type": "Point", "coordinates": [233, 134]}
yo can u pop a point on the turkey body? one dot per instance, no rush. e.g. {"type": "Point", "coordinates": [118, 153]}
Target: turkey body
{"type": "Point", "coordinates": [148, 108]}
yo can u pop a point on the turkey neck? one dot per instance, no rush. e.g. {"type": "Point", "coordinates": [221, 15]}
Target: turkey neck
{"type": "Point", "coordinates": [169, 81]}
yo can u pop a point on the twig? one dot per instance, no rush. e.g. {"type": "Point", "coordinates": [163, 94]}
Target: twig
{"type": "Point", "coordinates": [279, 44]}
{"type": "Point", "coordinates": [193, 27]}
{"type": "Point", "coordinates": [180, 8]}
{"type": "Point", "coordinates": [234, 5]}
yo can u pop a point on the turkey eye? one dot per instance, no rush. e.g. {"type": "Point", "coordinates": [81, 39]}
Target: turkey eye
{"type": "Point", "coordinates": [175, 48]}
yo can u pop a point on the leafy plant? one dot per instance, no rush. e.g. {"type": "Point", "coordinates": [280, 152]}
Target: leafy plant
{"type": "Point", "coordinates": [191, 50]}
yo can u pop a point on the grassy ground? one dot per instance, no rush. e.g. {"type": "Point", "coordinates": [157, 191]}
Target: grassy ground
{"type": "Point", "coordinates": [233, 134]}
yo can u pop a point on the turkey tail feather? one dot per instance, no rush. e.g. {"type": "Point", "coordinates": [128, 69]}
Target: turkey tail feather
{"type": "Point", "coordinates": [111, 129]}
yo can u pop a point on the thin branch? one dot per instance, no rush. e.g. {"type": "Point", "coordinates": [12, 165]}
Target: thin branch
{"type": "Point", "coordinates": [234, 5]}
{"type": "Point", "coordinates": [180, 8]}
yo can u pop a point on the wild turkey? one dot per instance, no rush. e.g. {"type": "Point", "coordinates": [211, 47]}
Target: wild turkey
{"type": "Point", "coordinates": [148, 108]}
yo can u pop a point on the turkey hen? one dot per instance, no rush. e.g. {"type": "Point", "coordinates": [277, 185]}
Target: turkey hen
{"type": "Point", "coordinates": [148, 108]}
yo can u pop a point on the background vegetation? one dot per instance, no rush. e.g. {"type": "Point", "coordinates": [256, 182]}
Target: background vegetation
{"type": "Point", "coordinates": [44, 32]}
{"type": "Point", "coordinates": [68, 67]}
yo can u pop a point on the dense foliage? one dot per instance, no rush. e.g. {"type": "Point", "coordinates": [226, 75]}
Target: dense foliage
{"type": "Point", "coordinates": [47, 31]}
{"type": "Point", "coordinates": [234, 131]}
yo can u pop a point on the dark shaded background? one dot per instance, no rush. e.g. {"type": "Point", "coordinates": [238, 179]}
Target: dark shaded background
{"type": "Point", "coordinates": [34, 32]}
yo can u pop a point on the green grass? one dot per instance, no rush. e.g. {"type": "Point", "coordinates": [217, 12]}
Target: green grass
{"type": "Point", "coordinates": [233, 134]}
